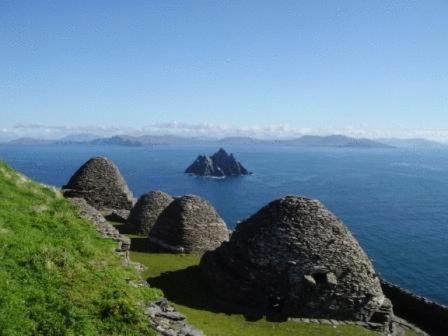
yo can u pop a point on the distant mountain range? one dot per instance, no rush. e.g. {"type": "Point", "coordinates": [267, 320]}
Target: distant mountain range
{"type": "Point", "coordinates": [331, 141]}
{"type": "Point", "coordinates": [412, 143]}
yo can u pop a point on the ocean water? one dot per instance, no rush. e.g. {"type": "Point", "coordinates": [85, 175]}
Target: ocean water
{"type": "Point", "coordinates": [394, 201]}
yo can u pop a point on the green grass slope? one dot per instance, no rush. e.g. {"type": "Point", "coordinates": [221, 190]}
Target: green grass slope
{"type": "Point", "coordinates": [57, 275]}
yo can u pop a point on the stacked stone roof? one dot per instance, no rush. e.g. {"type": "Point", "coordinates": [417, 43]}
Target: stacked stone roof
{"type": "Point", "coordinates": [295, 258]}
{"type": "Point", "coordinates": [146, 211]}
{"type": "Point", "coordinates": [101, 184]}
{"type": "Point", "coordinates": [189, 224]}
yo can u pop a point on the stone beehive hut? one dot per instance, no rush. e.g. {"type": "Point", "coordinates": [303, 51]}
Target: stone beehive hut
{"type": "Point", "coordinates": [295, 258]}
{"type": "Point", "coordinates": [101, 184]}
{"type": "Point", "coordinates": [146, 211]}
{"type": "Point", "coordinates": [188, 225]}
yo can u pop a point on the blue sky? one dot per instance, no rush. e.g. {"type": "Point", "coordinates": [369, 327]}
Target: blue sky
{"type": "Point", "coordinates": [371, 67]}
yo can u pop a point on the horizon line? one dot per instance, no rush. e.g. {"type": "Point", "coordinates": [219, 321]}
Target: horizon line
{"type": "Point", "coordinates": [215, 131]}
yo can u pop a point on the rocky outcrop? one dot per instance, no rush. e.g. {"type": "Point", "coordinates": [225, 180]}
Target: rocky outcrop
{"type": "Point", "coordinates": [294, 258]}
{"type": "Point", "coordinates": [146, 211]}
{"type": "Point", "coordinates": [219, 164]}
{"type": "Point", "coordinates": [101, 184]}
{"type": "Point", "coordinates": [188, 225]}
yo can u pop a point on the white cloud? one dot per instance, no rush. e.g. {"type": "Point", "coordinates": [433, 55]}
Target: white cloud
{"type": "Point", "coordinates": [212, 130]}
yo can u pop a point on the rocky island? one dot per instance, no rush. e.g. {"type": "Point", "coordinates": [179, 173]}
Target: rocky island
{"type": "Point", "coordinates": [220, 164]}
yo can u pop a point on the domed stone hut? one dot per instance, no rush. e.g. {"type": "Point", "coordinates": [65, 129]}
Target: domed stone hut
{"type": "Point", "coordinates": [146, 211]}
{"type": "Point", "coordinates": [188, 225]}
{"type": "Point", "coordinates": [296, 259]}
{"type": "Point", "coordinates": [101, 184]}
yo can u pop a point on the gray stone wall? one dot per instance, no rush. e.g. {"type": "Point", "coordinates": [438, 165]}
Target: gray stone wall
{"type": "Point", "coordinates": [430, 316]}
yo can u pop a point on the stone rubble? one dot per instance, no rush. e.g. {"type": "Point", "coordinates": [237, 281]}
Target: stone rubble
{"type": "Point", "coordinates": [399, 328]}
{"type": "Point", "coordinates": [169, 322]}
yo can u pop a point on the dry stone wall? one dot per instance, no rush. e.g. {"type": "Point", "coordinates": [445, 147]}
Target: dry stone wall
{"type": "Point", "coordinates": [430, 316]}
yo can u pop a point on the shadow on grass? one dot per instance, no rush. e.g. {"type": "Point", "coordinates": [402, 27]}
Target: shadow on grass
{"type": "Point", "coordinates": [141, 244]}
{"type": "Point", "coordinates": [186, 287]}
{"type": "Point", "coordinates": [138, 243]}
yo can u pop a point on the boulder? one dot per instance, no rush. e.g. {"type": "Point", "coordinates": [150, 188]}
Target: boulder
{"type": "Point", "coordinates": [101, 184]}
{"type": "Point", "coordinates": [295, 258]}
{"type": "Point", "coordinates": [146, 211]}
{"type": "Point", "coordinates": [188, 225]}
{"type": "Point", "coordinates": [220, 164]}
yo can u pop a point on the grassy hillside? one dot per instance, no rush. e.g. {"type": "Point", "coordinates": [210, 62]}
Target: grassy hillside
{"type": "Point", "coordinates": [57, 276]}
{"type": "Point", "coordinates": [179, 278]}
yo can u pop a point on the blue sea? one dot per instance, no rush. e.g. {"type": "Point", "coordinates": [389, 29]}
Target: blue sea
{"type": "Point", "coordinates": [395, 201]}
